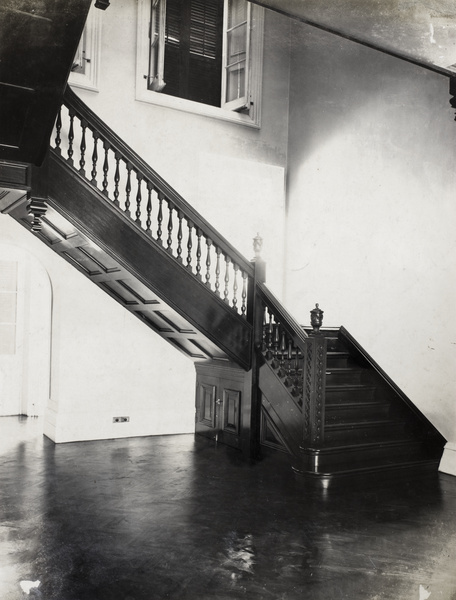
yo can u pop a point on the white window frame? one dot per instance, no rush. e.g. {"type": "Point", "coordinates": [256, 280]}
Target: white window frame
{"type": "Point", "coordinates": [251, 118]}
{"type": "Point", "coordinates": [88, 53]}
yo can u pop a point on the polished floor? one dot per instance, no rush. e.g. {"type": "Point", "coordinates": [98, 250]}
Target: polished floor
{"type": "Point", "coordinates": [178, 518]}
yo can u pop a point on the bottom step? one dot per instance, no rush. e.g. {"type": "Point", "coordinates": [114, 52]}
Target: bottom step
{"type": "Point", "coordinates": [374, 474]}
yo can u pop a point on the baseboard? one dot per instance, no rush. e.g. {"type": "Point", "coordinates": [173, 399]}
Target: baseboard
{"type": "Point", "coordinates": [448, 460]}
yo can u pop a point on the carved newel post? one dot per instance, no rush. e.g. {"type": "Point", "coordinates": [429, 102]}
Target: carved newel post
{"type": "Point", "coordinates": [316, 318]}
{"type": "Point", "coordinates": [260, 265]}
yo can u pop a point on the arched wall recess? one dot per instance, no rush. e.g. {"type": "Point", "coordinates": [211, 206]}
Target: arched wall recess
{"type": "Point", "coordinates": [25, 320]}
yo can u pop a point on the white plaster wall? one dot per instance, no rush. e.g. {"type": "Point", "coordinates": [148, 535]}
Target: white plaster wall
{"type": "Point", "coordinates": [232, 174]}
{"type": "Point", "coordinates": [105, 363]}
{"type": "Point", "coordinates": [372, 157]}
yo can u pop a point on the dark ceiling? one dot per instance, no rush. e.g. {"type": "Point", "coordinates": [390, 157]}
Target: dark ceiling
{"type": "Point", "coordinates": [423, 31]}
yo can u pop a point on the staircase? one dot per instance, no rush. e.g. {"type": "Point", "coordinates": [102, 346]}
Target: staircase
{"type": "Point", "coordinates": [265, 384]}
{"type": "Point", "coordinates": [363, 425]}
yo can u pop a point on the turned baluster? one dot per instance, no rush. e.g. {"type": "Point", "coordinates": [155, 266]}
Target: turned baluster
{"type": "Point", "coordinates": [275, 347]}
{"type": "Point", "coordinates": [150, 187]}
{"type": "Point", "coordinates": [235, 286]}
{"type": "Point", "coordinates": [94, 158]}
{"type": "Point", "coordinates": [180, 216]}
{"type": "Point", "coordinates": [189, 246]}
{"type": "Point", "coordinates": [169, 241]}
{"type": "Point", "coordinates": [117, 156]}
{"type": "Point", "coordinates": [227, 280]}
{"type": "Point", "coordinates": [264, 338]}
{"type": "Point", "coordinates": [160, 218]}
{"type": "Point", "coordinates": [128, 191]}
{"type": "Point", "coordinates": [82, 148]}
{"type": "Point", "coordinates": [244, 294]}
{"type": "Point", "coordinates": [217, 271]}
{"type": "Point", "coordinates": [269, 352]}
{"type": "Point", "coordinates": [106, 146]}
{"type": "Point", "coordinates": [297, 378]}
{"type": "Point", "coordinates": [283, 349]}
{"type": "Point", "coordinates": [138, 199]}
{"type": "Point", "coordinates": [71, 136]}
{"type": "Point", "coordinates": [198, 253]}
{"type": "Point", "coordinates": [208, 262]}
{"type": "Point", "coordinates": [58, 130]}
{"type": "Point", "coordinates": [289, 378]}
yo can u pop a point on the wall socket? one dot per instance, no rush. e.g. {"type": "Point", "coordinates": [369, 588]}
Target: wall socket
{"type": "Point", "coordinates": [120, 419]}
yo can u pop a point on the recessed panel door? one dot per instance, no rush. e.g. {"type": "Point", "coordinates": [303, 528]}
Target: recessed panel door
{"type": "Point", "coordinates": [229, 413]}
{"type": "Point", "coordinates": [206, 412]}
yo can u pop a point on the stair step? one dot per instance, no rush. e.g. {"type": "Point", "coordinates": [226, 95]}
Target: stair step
{"type": "Point", "coordinates": [377, 431]}
{"type": "Point", "coordinates": [389, 473]}
{"type": "Point", "coordinates": [349, 393]}
{"type": "Point", "coordinates": [346, 376]}
{"type": "Point", "coordinates": [337, 359]}
{"type": "Point", "coordinates": [355, 411]}
{"type": "Point", "coordinates": [346, 457]}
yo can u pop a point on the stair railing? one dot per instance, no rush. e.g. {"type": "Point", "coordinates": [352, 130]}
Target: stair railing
{"type": "Point", "coordinates": [92, 149]}
{"type": "Point", "coordinates": [298, 359]}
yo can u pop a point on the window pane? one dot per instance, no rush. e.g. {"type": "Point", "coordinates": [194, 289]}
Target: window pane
{"type": "Point", "coordinates": [237, 12]}
{"type": "Point", "coordinates": [235, 87]}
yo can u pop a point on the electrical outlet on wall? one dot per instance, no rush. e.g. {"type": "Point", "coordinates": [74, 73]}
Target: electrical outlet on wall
{"type": "Point", "coordinates": [120, 419]}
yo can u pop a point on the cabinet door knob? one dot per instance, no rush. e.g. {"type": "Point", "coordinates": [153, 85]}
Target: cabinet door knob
{"type": "Point", "coordinates": [218, 401]}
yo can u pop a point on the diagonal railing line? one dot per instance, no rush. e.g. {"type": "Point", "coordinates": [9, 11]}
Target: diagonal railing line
{"type": "Point", "coordinates": [92, 149]}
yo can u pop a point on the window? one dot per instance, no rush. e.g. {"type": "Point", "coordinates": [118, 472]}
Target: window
{"type": "Point", "coordinates": [203, 56]}
{"type": "Point", "coordinates": [84, 72]}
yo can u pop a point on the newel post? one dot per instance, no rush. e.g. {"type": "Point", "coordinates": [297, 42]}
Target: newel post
{"type": "Point", "coordinates": [314, 382]}
{"type": "Point", "coordinates": [255, 310]}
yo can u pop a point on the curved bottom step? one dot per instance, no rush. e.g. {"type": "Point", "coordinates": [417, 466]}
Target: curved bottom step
{"type": "Point", "coordinates": [376, 474]}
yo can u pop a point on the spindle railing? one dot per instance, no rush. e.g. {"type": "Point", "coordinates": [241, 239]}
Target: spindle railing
{"type": "Point", "coordinates": [92, 149]}
{"type": "Point", "coordinates": [298, 359]}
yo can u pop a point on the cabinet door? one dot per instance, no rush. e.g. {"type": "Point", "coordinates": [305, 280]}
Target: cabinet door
{"type": "Point", "coordinates": [206, 418]}
{"type": "Point", "coordinates": [218, 410]}
{"type": "Point", "coordinates": [230, 414]}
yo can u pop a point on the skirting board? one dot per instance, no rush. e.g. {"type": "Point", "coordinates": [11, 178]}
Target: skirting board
{"type": "Point", "coordinates": [448, 461]}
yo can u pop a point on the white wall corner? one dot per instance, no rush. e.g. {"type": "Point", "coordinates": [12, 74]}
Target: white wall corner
{"type": "Point", "coordinates": [448, 461]}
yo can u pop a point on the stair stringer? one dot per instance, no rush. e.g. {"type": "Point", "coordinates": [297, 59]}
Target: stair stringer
{"type": "Point", "coordinates": [135, 253]}
{"type": "Point", "coordinates": [279, 406]}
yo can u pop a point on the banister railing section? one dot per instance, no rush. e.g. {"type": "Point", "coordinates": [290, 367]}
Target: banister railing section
{"type": "Point", "coordinates": [92, 149]}
{"type": "Point", "coordinates": [298, 359]}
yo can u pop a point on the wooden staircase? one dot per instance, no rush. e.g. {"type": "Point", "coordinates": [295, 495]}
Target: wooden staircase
{"type": "Point", "coordinates": [265, 383]}
{"type": "Point", "coordinates": [368, 426]}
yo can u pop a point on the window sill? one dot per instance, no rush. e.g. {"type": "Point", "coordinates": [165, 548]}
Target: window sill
{"type": "Point", "coordinates": [74, 83]}
{"type": "Point", "coordinates": [197, 108]}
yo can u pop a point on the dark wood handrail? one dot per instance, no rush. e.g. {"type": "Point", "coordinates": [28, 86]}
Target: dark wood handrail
{"type": "Point", "coordinates": [292, 326]}
{"type": "Point", "coordinates": [71, 100]}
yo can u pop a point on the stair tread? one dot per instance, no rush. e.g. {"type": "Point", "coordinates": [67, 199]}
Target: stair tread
{"type": "Point", "coordinates": [344, 405]}
{"type": "Point", "coordinates": [373, 422]}
{"type": "Point", "coordinates": [373, 465]}
{"type": "Point", "coordinates": [359, 447]}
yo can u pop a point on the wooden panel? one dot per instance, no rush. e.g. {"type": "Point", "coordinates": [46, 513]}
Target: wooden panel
{"type": "Point", "coordinates": [231, 411]}
{"type": "Point", "coordinates": [207, 404]}
{"type": "Point", "coordinates": [140, 255]}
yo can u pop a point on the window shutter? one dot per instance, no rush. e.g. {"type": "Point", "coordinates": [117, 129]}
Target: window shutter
{"type": "Point", "coordinates": [236, 55]}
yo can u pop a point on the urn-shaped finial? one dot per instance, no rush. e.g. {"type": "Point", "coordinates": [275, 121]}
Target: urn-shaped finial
{"type": "Point", "coordinates": [257, 245]}
{"type": "Point", "coordinates": [316, 318]}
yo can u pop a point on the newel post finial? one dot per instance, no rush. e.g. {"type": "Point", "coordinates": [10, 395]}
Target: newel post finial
{"type": "Point", "coordinates": [316, 318]}
{"type": "Point", "coordinates": [260, 265]}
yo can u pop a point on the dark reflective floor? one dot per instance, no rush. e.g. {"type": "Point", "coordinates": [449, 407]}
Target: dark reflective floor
{"type": "Point", "coordinates": [168, 517]}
